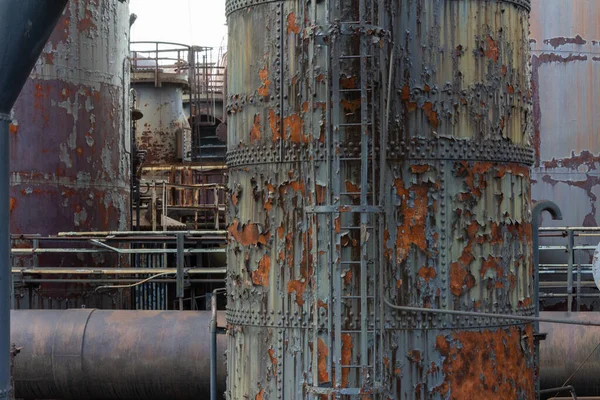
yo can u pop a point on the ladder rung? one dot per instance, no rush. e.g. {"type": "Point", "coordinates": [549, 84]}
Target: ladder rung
{"type": "Point", "coordinates": [355, 56]}
{"type": "Point", "coordinates": [355, 124]}
{"type": "Point", "coordinates": [354, 90]}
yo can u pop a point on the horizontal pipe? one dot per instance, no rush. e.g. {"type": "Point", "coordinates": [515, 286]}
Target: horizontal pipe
{"type": "Point", "coordinates": [29, 251]}
{"type": "Point", "coordinates": [100, 354]}
{"type": "Point", "coordinates": [185, 167]}
{"type": "Point", "coordinates": [142, 233]}
{"type": "Point", "coordinates": [114, 280]}
{"type": "Point", "coordinates": [114, 271]}
{"type": "Point", "coordinates": [566, 321]}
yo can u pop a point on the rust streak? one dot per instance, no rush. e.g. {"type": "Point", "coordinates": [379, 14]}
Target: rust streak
{"type": "Point", "coordinates": [260, 277]}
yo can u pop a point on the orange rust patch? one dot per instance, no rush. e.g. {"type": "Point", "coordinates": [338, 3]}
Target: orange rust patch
{"type": "Point", "coordinates": [320, 192]}
{"type": "Point", "coordinates": [398, 283]}
{"type": "Point", "coordinates": [292, 27]}
{"type": "Point", "coordinates": [419, 169]}
{"type": "Point", "coordinates": [14, 129]}
{"type": "Point", "coordinates": [405, 93]}
{"type": "Point", "coordinates": [280, 232]}
{"type": "Point", "coordinates": [352, 188]}
{"type": "Point", "coordinates": [255, 132]}
{"type": "Point", "coordinates": [260, 277]}
{"type": "Point", "coordinates": [487, 364]}
{"type": "Point", "coordinates": [348, 82]}
{"type": "Point", "coordinates": [461, 279]}
{"type": "Point", "coordinates": [298, 287]}
{"type": "Point", "coordinates": [432, 116]}
{"type": "Point", "coordinates": [347, 277]}
{"type": "Point", "coordinates": [504, 70]}
{"type": "Point", "coordinates": [510, 89]}
{"type": "Point", "coordinates": [427, 273]}
{"type": "Point", "coordinates": [350, 106]}
{"type": "Point", "coordinates": [259, 395]}
{"type": "Point", "coordinates": [322, 353]}
{"type": "Point", "coordinates": [322, 304]}
{"type": "Point", "coordinates": [414, 214]}
{"type": "Point", "coordinates": [492, 51]}
{"type": "Point", "coordinates": [248, 234]}
{"type": "Point", "coordinates": [264, 77]}
{"type": "Point", "coordinates": [274, 123]}
{"type": "Point", "coordinates": [292, 125]}
{"type": "Point", "coordinates": [273, 360]}
{"type": "Point", "coordinates": [13, 204]}
{"type": "Point", "coordinates": [347, 347]}
{"type": "Point", "coordinates": [474, 176]}
{"type": "Point", "coordinates": [525, 302]}
{"type": "Point", "coordinates": [86, 24]}
{"type": "Point", "coordinates": [491, 263]}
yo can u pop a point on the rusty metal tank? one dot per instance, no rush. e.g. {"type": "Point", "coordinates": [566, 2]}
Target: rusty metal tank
{"type": "Point", "coordinates": [353, 193]}
{"type": "Point", "coordinates": [565, 63]}
{"type": "Point", "coordinates": [164, 132]}
{"type": "Point", "coordinates": [160, 75]}
{"type": "Point", "coordinates": [112, 354]}
{"type": "Point", "coordinates": [70, 127]}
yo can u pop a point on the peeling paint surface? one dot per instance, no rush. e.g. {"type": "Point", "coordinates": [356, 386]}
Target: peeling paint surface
{"type": "Point", "coordinates": [69, 155]}
{"type": "Point", "coordinates": [430, 210]}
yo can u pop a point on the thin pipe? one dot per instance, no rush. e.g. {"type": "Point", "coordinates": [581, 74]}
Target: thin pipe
{"type": "Point", "coordinates": [5, 276]}
{"type": "Point", "coordinates": [213, 344]}
{"type": "Point", "coordinates": [488, 315]}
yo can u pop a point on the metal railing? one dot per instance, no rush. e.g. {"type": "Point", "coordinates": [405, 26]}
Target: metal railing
{"type": "Point", "coordinates": [195, 205]}
{"type": "Point", "coordinates": [566, 265]}
{"type": "Point", "coordinates": [143, 261]}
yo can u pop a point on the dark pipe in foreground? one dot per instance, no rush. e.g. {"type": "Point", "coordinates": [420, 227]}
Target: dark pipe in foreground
{"type": "Point", "coordinates": [566, 348]}
{"type": "Point", "coordinates": [99, 354]}
{"type": "Point", "coordinates": [25, 26]}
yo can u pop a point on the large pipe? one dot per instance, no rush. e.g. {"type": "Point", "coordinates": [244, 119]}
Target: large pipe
{"type": "Point", "coordinates": [571, 349]}
{"type": "Point", "coordinates": [25, 26]}
{"type": "Point", "coordinates": [100, 354]}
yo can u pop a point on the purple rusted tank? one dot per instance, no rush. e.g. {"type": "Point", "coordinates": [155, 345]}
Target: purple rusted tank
{"type": "Point", "coordinates": [565, 43]}
{"type": "Point", "coordinates": [353, 194]}
{"type": "Point", "coordinates": [70, 127]}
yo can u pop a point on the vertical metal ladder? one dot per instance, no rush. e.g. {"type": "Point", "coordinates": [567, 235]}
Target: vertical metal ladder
{"type": "Point", "coordinates": [355, 374]}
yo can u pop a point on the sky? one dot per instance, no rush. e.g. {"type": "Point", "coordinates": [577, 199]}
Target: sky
{"type": "Point", "coordinates": [195, 22]}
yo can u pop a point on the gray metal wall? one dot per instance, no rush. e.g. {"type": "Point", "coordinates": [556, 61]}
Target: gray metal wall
{"type": "Point", "coordinates": [565, 43]}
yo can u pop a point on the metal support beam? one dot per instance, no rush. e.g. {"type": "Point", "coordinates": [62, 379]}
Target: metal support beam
{"type": "Point", "coordinates": [180, 269]}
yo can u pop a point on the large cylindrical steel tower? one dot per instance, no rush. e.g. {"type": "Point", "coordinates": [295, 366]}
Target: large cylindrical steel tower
{"type": "Point", "coordinates": [70, 127]}
{"type": "Point", "coordinates": [349, 189]}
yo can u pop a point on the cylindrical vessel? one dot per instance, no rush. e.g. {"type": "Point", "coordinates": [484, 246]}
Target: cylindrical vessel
{"type": "Point", "coordinates": [347, 188]}
{"type": "Point", "coordinates": [164, 132]}
{"type": "Point", "coordinates": [25, 26]}
{"type": "Point", "coordinates": [70, 127]}
{"type": "Point", "coordinates": [566, 349]}
{"type": "Point", "coordinates": [97, 354]}
{"type": "Point", "coordinates": [565, 63]}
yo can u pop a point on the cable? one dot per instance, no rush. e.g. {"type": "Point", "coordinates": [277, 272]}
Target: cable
{"type": "Point", "coordinates": [133, 284]}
